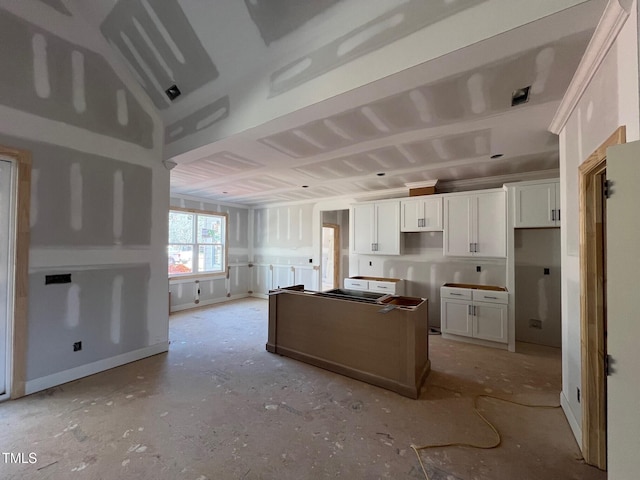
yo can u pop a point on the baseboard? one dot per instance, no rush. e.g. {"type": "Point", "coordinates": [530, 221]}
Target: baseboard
{"type": "Point", "coordinates": [204, 303]}
{"type": "Point", "coordinates": [573, 422]}
{"type": "Point", "coordinates": [263, 296]}
{"type": "Point", "coordinates": [65, 376]}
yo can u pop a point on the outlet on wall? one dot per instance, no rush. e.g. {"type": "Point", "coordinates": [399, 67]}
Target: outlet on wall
{"type": "Point", "coordinates": [535, 323]}
{"type": "Point", "coordinates": [77, 346]}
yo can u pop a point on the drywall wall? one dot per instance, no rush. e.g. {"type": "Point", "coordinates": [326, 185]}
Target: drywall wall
{"type": "Point", "coordinates": [193, 292]}
{"type": "Point", "coordinates": [610, 100]}
{"type": "Point", "coordinates": [537, 276]}
{"type": "Point", "coordinates": [98, 200]}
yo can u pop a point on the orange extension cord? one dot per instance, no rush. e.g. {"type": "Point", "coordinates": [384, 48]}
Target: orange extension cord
{"type": "Point", "coordinates": [498, 438]}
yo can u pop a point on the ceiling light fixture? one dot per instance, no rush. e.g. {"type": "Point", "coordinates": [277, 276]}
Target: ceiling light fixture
{"type": "Point", "coordinates": [520, 96]}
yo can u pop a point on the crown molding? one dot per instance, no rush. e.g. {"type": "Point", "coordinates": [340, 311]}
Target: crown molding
{"type": "Point", "coordinates": [605, 34]}
{"type": "Point", "coordinates": [495, 181]}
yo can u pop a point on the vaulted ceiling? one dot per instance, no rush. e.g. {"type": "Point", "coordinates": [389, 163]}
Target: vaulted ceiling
{"type": "Point", "coordinates": [276, 104]}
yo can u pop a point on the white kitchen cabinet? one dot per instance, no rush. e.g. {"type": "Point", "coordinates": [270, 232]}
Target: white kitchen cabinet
{"type": "Point", "coordinates": [537, 205]}
{"type": "Point", "coordinates": [475, 313]}
{"type": "Point", "coordinates": [475, 225]}
{"type": "Point", "coordinates": [421, 214]}
{"type": "Point", "coordinates": [393, 286]}
{"type": "Point", "coordinates": [375, 228]}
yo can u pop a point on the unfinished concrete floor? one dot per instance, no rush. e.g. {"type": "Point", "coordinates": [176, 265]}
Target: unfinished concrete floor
{"type": "Point", "coordinates": [218, 406]}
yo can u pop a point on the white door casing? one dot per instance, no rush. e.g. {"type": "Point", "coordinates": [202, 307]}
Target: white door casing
{"type": "Point", "coordinates": [6, 202]}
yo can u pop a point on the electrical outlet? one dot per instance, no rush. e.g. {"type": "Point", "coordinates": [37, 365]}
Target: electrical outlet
{"type": "Point", "coordinates": [478, 268]}
{"type": "Point", "coordinates": [535, 323]}
{"type": "Point", "coordinates": [311, 260]}
{"type": "Point", "coordinates": [371, 264]}
{"type": "Point", "coordinates": [547, 271]}
{"type": "Point", "coordinates": [77, 346]}
{"type": "Point", "coordinates": [58, 278]}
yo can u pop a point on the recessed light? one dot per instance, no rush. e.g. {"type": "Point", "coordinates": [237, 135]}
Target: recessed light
{"type": "Point", "coordinates": [173, 92]}
{"type": "Point", "coordinates": [520, 96]}
{"type": "Point", "coordinates": [497, 155]}
{"type": "Point", "coordinates": [381, 174]}
{"type": "Point", "coordinates": [305, 186]}
{"type": "Point", "coordinates": [225, 192]}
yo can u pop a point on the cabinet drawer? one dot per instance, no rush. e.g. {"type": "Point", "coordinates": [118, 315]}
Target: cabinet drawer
{"type": "Point", "coordinates": [490, 296]}
{"type": "Point", "coordinates": [356, 284]}
{"type": "Point", "coordinates": [452, 292]}
{"type": "Point", "coordinates": [383, 287]}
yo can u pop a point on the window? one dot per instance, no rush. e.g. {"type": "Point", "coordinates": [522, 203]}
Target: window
{"type": "Point", "coordinates": [197, 242]}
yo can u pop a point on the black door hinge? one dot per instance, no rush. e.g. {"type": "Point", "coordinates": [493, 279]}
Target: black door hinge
{"type": "Point", "coordinates": [608, 365]}
{"type": "Point", "coordinates": [607, 188]}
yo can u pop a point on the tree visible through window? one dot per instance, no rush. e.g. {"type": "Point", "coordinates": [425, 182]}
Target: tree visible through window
{"type": "Point", "coordinates": [197, 242]}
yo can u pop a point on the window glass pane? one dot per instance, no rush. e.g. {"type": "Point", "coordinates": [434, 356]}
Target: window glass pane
{"type": "Point", "coordinates": [210, 229]}
{"type": "Point", "coordinates": [211, 258]}
{"type": "Point", "coordinates": [180, 259]}
{"type": "Point", "coordinates": [181, 227]}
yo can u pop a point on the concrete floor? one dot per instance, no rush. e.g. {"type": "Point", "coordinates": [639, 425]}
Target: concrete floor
{"type": "Point", "coordinates": [218, 406]}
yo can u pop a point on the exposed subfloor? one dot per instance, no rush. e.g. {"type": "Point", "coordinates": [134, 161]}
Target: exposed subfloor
{"type": "Point", "coordinates": [218, 406]}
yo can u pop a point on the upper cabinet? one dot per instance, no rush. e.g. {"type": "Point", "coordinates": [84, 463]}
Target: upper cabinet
{"type": "Point", "coordinates": [375, 228]}
{"type": "Point", "coordinates": [475, 225]}
{"type": "Point", "coordinates": [537, 205]}
{"type": "Point", "coordinates": [421, 214]}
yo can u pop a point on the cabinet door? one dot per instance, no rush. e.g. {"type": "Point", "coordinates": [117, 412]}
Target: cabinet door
{"type": "Point", "coordinates": [387, 228]}
{"type": "Point", "coordinates": [491, 225]}
{"type": "Point", "coordinates": [412, 212]}
{"type": "Point", "coordinates": [490, 321]}
{"type": "Point", "coordinates": [362, 228]}
{"type": "Point", "coordinates": [535, 205]}
{"type": "Point", "coordinates": [457, 225]}
{"type": "Point", "coordinates": [455, 317]}
{"type": "Point", "coordinates": [421, 215]}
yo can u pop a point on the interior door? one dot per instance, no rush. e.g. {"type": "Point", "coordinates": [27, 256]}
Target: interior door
{"type": "Point", "coordinates": [623, 317]}
{"type": "Point", "coordinates": [5, 233]}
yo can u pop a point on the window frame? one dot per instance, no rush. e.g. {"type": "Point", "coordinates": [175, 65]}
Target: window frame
{"type": "Point", "coordinates": [195, 244]}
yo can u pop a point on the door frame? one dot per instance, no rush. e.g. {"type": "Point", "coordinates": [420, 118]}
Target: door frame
{"type": "Point", "coordinates": [17, 331]}
{"type": "Point", "coordinates": [592, 306]}
{"type": "Point", "coordinates": [336, 253]}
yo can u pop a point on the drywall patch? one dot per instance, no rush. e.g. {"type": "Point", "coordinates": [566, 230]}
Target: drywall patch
{"type": "Point", "coordinates": [58, 6]}
{"type": "Point", "coordinates": [158, 41]}
{"type": "Point", "coordinates": [198, 120]}
{"type": "Point", "coordinates": [96, 215]}
{"type": "Point", "coordinates": [389, 27]}
{"type": "Point", "coordinates": [277, 18]}
{"type": "Point", "coordinates": [69, 83]}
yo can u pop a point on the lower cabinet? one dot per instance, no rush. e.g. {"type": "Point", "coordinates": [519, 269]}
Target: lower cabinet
{"type": "Point", "coordinates": [474, 313]}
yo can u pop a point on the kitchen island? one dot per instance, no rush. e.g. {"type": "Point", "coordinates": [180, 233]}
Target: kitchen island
{"type": "Point", "coordinates": [381, 340]}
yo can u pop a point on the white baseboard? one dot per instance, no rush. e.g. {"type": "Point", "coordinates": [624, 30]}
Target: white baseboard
{"type": "Point", "coordinates": [264, 296]}
{"type": "Point", "coordinates": [65, 376]}
{"type": "Point", "coordinates": [204, 303]}
{"type": "Point", "coordinates": [573, 422]}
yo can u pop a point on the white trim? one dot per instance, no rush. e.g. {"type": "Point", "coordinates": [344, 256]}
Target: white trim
{"type": "Point", "coordinates": [204, 303]}
{"type": "Point", "coordinates": [573, 422]}
{"type": "Point", "coordinates": [605, 35]}
{"type": "Point", "coordinates": [263, 296]}
{"type": "Point", "coordinates": [65, 376]}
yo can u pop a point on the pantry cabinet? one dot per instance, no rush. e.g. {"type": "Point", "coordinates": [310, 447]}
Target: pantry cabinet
{"type": "Point", "coordinates": [421, 214]}
{"type": "Point", "coordinates": [375, 228]}
{"type": "Point", "coordinates": [475, 225]}
{"type": "Point", "coordinates": [536, 205]}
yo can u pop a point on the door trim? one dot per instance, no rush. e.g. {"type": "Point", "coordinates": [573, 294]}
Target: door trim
{"type": "Point", "coordinates": [592, 309]}
{"type": "Point", "coordinates": [336, 252]}
{"type": "Point", "coordinates": [18, 328]}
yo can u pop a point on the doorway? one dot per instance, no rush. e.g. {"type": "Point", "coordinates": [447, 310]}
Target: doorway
{"type": "Point", "coordinates": [593, 308]}
{"type": "Point", "coordinates": [15, 200]}
{"type": "Point", "coordinates": [330, 256]}
{"type": "Point", "coordinates": [6, 287]}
